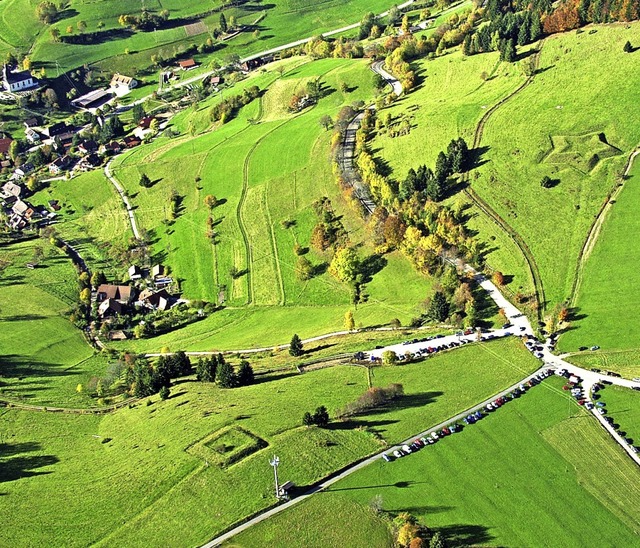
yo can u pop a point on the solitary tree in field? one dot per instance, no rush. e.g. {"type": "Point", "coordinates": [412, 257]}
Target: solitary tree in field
{"type": "Point", "coordinates": [498, 278]}
{"type": "Point", "coordinates": [55, 34]}
{"type": "Point", "coordinates": [627, 47]}
{"type": "Point", "coordinates": [345, 264]}
{"type": "Point", "coordinates": [307, 419]}
{"type": "Point", "coordinates": [223, 23]}
{"type": "Point", "coordinates": [321, 416]}
{"type": "Point", "coordinates": [145, 182]}
{"type": "Point", "coordinates": [295, 347]}
{"type": "Point", "coordinates": [349, 321]}
{"type": "Point", "coordinates": [165, 393]}
{"type": "Point", "coordinates": [82, 26]}
{"type": "Point", "coordinates": [326, 122]}
{"type": "Point", "coordinates": [546, 182]}
{"type": "Point", "coordinates": [210, 201]}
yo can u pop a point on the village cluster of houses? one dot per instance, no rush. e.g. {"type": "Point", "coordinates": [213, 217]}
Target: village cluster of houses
{"type": "Point", "coordinates": [148, 290]}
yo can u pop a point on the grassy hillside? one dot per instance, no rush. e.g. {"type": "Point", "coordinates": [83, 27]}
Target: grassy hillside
{"type": "Point", "coordinates": [280, 22]}
{"type": "Point", "coordinates": [610, 277]}
{"type": "Point", "coordinates": [454, 94]}
{"type": "Point", "coordinates": [158, 473]}
{"type": "Point", "coordinates": [235, 163]}
{"type": "Point", "coordinates": [44, 357]}
{"type": "Point", "coordinates": [624, 406]}
{"type": "Point", "coordinates": [572, 125]}
{"type": "Point", "coordinates": [534, 482]}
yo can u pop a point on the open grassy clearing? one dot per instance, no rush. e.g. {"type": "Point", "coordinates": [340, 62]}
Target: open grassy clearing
{"type": "Point", "coordinates": [44, 357]}
{"type": "Point", "coordinates": [542, 443]}
{"type": "Point", "coordinates": [149, 482]}
{"type": "Point", "coordinates": [610, 277]}
{"type": "Point", "coordinates": [563, 107]}
{"type": "Point", "coordinates": [625, 362]}
{"type": "Point", "coordinates": [623, 405]}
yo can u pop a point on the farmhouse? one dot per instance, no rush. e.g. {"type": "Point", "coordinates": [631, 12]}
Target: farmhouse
{"type": "Point", "coordinates": [110, 307]}
{"type": "Point", "coordinates": [121, 293]}
{"type": "Point", "coordinates": [14, 81]}
{"type": "Point", "coordinates": [93, 99]}
{"type": "Point", "coordinates": [187, 64]}
{"type": "Point", "coordinates": [160, 300]}
{"type": "Point", "coordinates": [32, 136]}
{"type": "Point", "coordinates": [11, 189]}
{"type": "Point", "coordinates": [60, 130]}
{"type": "Point", "coordinates": [31, 123]}
{"type": "Point", "coordinates": [122, 85]}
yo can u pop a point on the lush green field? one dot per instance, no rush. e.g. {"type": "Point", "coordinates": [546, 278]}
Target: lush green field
{"type": "Point", "coordinates": [623, 405]}
{"type": "Point", "coordinates": [159, 480]}
{"type": "Point", "coordinates": [551, 128]}
{"type": "Point", "coordinates": [531, 468]}
{"type": "Point", "coordinates": [625, 362]}
{"type": "Point", "coordinates": [92, 217]}
{"type": "Point", "coordinates": [610, 278]}
{"type": "Point", "coordinates": [283, 22]}
{"type": "Point", "coordinates": [235, 163]}
{"type": "Point", "coordinates": [43, 356]}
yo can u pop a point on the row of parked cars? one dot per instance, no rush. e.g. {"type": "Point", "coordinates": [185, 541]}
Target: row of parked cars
{"type": "Point", "coordinates": [471, 418]}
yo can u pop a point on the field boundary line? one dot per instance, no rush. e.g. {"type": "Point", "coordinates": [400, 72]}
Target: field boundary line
{"type": "Point", "coordinates": [489, 211]}
{"type": "Point", "coordinates": [596, 228]}
{"type": "Point", "coordinates": [274, 245]}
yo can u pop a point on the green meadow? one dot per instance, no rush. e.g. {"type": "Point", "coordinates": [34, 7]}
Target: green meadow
{"type": "Point", "coordinates": [179, 471]}
{"type": "Point", "coordinates": [609, 278]}
{"type": "Point", "coordinates": [623, 405]}
{"type": "Point", "coordinates": [571, 124]}
{"type": "Point", "coordinates": [44, 357]}
{"type": "Point", "coordinates": [524, 476]}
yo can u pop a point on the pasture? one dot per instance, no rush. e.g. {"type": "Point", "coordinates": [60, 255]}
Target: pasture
{"type": "Point", "coordinates": [454, 93]}
{"type": "Point", "coordinates": [117, 48]}
{"type": "Point", "coordinates": [625, 362]}
{"type": "Point", "coordinates": [266, 210]}
{"type": "Point", "coordinates": [44, 357]}
{"type": "Point", "coordinates": [609, 278]}
{"type": "Point", "coordinates": [152, 474]}
{"type": "Point", "coordinates": [531, 465]}
{"type": "Point", "coordinates": [564, 127]}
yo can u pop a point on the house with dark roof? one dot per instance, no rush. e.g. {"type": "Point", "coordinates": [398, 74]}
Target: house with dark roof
{"type": "Point", "coordinates": [5, 144]}
{"type": "Point", "coordinates": [110, 307]}
{"type": "Point", "coordinates": [60, 130]}
{"type": "Point", "coordinates": [31, 123]}
{"type": "Point", "coordinates": [131, 141]}
{"type": "Point", "coordinates": [121, 293]}
{"type": "Point", "coordinates": [88, 146]}
{"type": "Point", "coordinates": [14, 80]}
{"type": "Point", "coordinates": [158, 300]}
{"type": "Point", "coordinates": [59, 164]}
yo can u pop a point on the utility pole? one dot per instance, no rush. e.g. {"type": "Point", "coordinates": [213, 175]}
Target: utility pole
{"type": "Point", "coordinates": [275, 461]}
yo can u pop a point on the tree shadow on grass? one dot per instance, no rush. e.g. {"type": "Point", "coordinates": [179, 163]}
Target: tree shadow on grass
{"type": "Point", "coordinates": [261, 379]}
{"type": "Point", "coordinates": [466, 535]}
{"type": "Point", "coordinates": [19, 467]}
{"type": "Point", "coordinates": [407, 401]}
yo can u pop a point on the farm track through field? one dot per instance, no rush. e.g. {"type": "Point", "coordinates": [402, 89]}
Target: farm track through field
{"type": "Point", "coordinates": [596, 228]}
{"type": "Point", "coordinates": [489, 211]}
{"type": "Point", "coordinates": [243, 230]}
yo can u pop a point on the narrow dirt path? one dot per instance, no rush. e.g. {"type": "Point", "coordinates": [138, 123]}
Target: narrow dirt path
{"type": "Point", "coordinates": [596, 228]}
{"type": "Point", "coordinates": [125, 200]}
{"type": "Point", "coordinates": [489, 211]}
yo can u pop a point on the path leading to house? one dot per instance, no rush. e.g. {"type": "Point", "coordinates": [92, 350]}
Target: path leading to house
{"type": "Point", "coordinates": [125, 199]}
{"type": "Point", "coordinates": [596, 228]}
